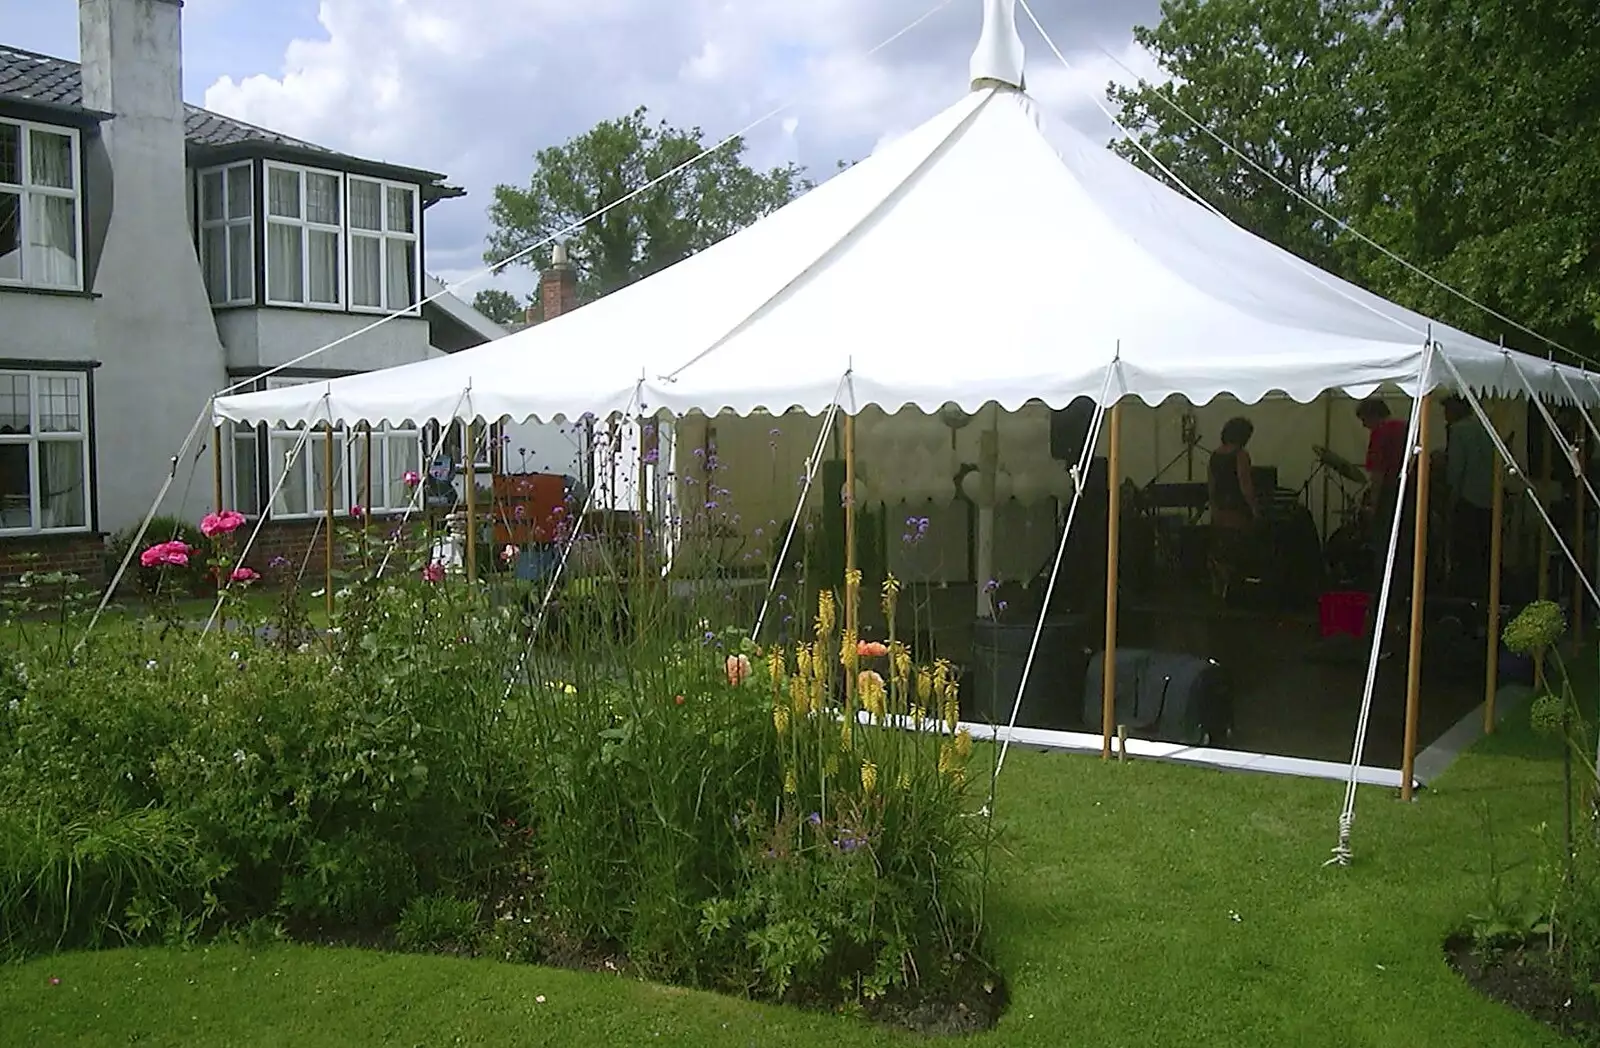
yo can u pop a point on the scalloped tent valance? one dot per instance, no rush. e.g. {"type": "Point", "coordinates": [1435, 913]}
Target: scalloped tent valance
{"type": "Point", "coordinates": [990, 255]}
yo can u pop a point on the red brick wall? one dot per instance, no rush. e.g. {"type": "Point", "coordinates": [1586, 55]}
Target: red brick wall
{"type": "Point", "coordinates": [295, 539]}
{"type": "Point", "coordinates": [83, 555]}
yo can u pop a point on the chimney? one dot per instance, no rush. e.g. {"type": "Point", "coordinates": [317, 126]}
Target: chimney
{"type": "Point", "coordinates": [558, 285]}
{"type": "Point", "coordinates": [131, 52]}
{"type": "Point", "coordinates": [152, 315]}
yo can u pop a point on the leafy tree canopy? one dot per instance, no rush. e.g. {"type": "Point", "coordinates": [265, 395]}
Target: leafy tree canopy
{"type": "Point", "coordinates": [1464, 135]}
{"type": "Point", "coordinates": [499, 306]}
{"type": "Point", "coordinates": [713, 198]}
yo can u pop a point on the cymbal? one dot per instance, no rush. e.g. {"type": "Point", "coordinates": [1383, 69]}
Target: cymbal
{"type": "Point", "coordinates": [1339, 464]}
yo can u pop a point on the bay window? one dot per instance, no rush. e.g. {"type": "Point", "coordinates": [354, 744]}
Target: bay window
{"type": "Point", "coordinates": [40, 206]}
{"type": "Point", "coordinates": [384, 268]}
{"type": "Point", "coordinates": [227, 234]}
{"type": "Point", "coordinates": [44, 451]}
{"type": "Point", "coordinates": [305, 237]}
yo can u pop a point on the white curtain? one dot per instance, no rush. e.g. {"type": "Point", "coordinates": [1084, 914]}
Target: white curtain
{"type": "Point", "coordinates": [285, 263]}
{"type": "Point", "coordinates": [50, 160]}
{"type": "Point", "coordinates": [324, 266]}
{"type": "Point", "coordinates": [52, 240]}
{"type": "Point", "coordinates": [402, 276]}
{"type": "Point", "coordinates": [366, 270]}
{"type": "Point", "coordinates": [61, 484]}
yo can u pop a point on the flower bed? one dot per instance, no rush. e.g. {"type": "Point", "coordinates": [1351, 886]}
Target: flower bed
{"type": "Point", "coordinates": [661, 795]}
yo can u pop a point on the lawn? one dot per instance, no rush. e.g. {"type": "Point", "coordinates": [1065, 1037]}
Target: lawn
{"type": "Point", "coordinates": [1135, 904]}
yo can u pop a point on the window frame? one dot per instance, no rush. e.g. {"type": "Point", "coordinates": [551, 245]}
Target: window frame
{"type": "Point", "coordinates": [306, 227]}
{"type": "Point", "coordinates": [84, 436]}
{"type": "Point", "coordinates": [383, 237]}
{"type": "Point", "coordinates": [228, 223]}
{"type": "Point", "coordinates": [24, 189]}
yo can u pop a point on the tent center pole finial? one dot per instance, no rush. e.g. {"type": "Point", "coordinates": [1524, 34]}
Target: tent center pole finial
{"type": "Point", "coordinates": [998, 59]}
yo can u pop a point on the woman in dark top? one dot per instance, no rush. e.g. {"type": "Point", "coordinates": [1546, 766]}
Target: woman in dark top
{"type": "Point", "coordinates": [1232, 497]}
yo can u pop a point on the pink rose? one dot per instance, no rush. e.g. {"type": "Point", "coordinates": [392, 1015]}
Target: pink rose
{"type": "Point", "coordinates": [738, 669]}
{"type": "Point", "coordinates": [214, 524]}
{"type": "Point", "coordinates": [433, 572]}
{"type": "Point", "coordinates": [508, 554]}
{"type": "Point", "coordinates": [242, 574]}
{"type": "Point", "coordinates": [173, 553]}
{"type": "Point", "coordinates": [412, 478]}
{"type": "Point", "coordinates": [356, 512]}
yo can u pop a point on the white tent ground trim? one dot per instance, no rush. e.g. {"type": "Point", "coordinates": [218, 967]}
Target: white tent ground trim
{"type": "Point", "coordinates": [992, 254]}
{"type": "Point", "coordinates": [1203, 756]}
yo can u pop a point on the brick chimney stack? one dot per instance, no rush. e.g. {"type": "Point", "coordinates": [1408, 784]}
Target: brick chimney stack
{"type": "Point", "coordinates": [558, 285]}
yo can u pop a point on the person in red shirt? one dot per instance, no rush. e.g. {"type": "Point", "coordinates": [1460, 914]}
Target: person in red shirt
{"type": "Point", "coordinates": [1386, 456]}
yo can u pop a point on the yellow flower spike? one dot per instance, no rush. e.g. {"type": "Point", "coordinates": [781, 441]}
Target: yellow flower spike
{"type": "Point", "coordinates": [846, 732]}
{"type": "Point", "coordinates": [869, 685]}
{"type": "Point", "coordinates": [891, 594]}
{"type": "Point", "coordinates": [852, 578]}
{"type": "Point", "coordinates": [849, 652]}
{"type": "Point", "coordinates": [819, 691]}
{"type": "Point", "coordinates": [800, 696]}
{"type": "Point", "coordinates": [958, 775]}
{"type": "Point", "coordinates": [952, 714]}
{"type": "Point", "coordinates": [899, 663]}
{"type": "Point", "coordinates": [791, 785]}
{"type": "Point", "coordinates": [869, 777]}
{"type": "Point", "coordinates": [825, 613]}
{"type": "Point", "coordinates": [924, 686]}
{"type": "Point", "coordinates": [905, 781]}
{"type": "Point", "coordinates": [775, 665]}
{"type": "Point", "coordinates": [963, 744]}
{"type": "Point", "coordinates": [918, 714]}
{"type": "Point", "coordinates": [802, 658]}
{"type": "Point", "coordinates": [780, 719]}
{"type": "Point", "coordinates": [947, 758]}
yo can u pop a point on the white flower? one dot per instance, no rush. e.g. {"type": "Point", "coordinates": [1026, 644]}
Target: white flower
{"type": "Point", "coordinates": [239, 757]}
{"type": "Point", "coordinates": [150, 665]}
{"type": "Point", "coordinates": [13, 705]}
{"type": "Point", "coordinates": [234, 656]}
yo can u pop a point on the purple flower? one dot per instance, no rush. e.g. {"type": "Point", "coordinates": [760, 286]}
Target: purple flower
{"type": "Point", "coordinates": [1000, 606]}
{"type": "Point", "coordinates": [815, 818]}
{"type": "Point", "coordinates": [279, 562]}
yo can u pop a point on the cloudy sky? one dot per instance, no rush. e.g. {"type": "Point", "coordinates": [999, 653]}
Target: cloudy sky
{"type": "Point", "coordinates": [474, 87]}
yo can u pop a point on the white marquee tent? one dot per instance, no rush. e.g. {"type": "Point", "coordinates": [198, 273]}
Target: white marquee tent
{"type": "Point", "coordinates": [990, 255]}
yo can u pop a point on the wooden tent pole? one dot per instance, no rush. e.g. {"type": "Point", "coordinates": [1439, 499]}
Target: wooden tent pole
{"type": "Point", "coordinates": [216, 468]}
{"type": "Point", "coordinates": [1578, 598]}
{"type": "Point", "coordinates": [1497, 515]}
{"type": "Point", "coordinates": [366, 480]}
{"type": "Point", "coordinates": [327, 523]}
{"type": "Point", "coordinates": [1543, 566]}
{"type": "Point", "coordinates": [644, 499]}
{"type": "Point", "coordinates": [468, 434]}
{"type": "Point", "coordinates": [1419, 578]}
{"type": "Point", "coordinates": [1108, 687]}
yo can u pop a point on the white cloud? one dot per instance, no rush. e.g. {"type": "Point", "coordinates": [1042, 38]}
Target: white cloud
{"type": "Point", "coordinates": [474, 87]}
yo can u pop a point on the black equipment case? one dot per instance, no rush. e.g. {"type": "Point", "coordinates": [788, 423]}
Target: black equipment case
{"type": "Point", "coordinates": [1165, 696]}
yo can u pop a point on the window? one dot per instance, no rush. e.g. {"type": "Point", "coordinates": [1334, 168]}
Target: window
{"type": "Point", "coordinates": [39, 206]}
{"type": "Point", "coordinates": [303, 493]}
{"type": "Point", "coordinates": [305, 237]}
{"type": "Point", "coordinates": [227, 234]}
{"type": "Point", "coordinates": [44, 451]}
{"type": "Point", "coordinates": [384, 269]}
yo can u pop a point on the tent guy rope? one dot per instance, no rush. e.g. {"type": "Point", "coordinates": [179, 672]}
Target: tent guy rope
{"type": "Point", "coordinates": [1341, 851]}
{"type": "Point", "coordinates": [1341, 223]}
{"type": "Point", "coordinates": [1078, 469]}
{"type": "Point", "coordinates": [812, 463]}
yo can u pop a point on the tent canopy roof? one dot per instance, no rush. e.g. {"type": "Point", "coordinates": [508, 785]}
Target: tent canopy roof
{"type": "Point", "coordinates": [990, 255]}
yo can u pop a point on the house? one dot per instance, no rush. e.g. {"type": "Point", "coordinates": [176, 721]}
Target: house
{"type": "Point", "coordinates": [152, 253]}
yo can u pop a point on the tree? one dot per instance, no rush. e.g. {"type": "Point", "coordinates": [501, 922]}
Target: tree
{"type": "Point", "coordinates": [499, 306]}
{"type": "Point", "coordinates": [1287, 82]}
{"type": "Point", "coordinates": [1485, 170]}
{"type": "Point", "coordinates": [709, 200]}
{"type": "Point", "coordinates": [1463, 135]}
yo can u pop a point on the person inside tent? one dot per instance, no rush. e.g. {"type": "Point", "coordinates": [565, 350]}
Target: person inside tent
{"type": "Point", "coordinates": [1231, 493]}
{"type": "Point", "coordinates": [1469, 486]}
{"type": "Point", "coordinates": [1386, 456]}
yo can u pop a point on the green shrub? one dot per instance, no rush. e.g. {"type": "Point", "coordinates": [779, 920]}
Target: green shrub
{"type": "Point", "coordinates": [434, 922]}
{"type": "Point", "coordinates": [194, 580]}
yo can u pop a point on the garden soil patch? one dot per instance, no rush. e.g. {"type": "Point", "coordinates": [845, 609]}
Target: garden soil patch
{"type": "Point", "coordinates": [1528, 979]}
